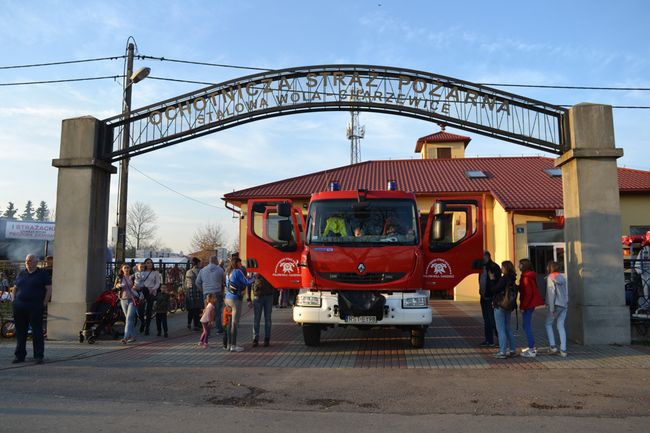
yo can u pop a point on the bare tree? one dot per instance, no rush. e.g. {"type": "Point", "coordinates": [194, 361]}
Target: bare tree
{"type": "Point", "coordinates": [207, 237]}
{"type": "Point", "coordinates": [140, 225]}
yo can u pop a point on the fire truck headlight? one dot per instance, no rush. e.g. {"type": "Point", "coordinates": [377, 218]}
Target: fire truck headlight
{"type": "Point", "coordinates": [308, 300]}
{"type": "Point", "coordinates": [415, 302]}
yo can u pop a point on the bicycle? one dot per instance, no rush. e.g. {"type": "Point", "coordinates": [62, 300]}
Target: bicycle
{"type": "Point", "coordinates": [177, 300]}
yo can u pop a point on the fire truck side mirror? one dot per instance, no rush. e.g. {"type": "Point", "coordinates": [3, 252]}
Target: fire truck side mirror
{"type": "Point", "coordinates": [284, 230]}
{"type": "Point", "coordinates": [284, 210]}
{"type": "Point", "coordinates": [259, 207]}
{"type": "Point", "coordinates": [438, 208]}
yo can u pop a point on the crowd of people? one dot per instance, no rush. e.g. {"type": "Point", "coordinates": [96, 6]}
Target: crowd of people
{"type": "Point", "coordinates": [215, 294]}
{"type": "Point", "coordinates": [214, 299]}
{"type": "Point", "coordinates": [499, 292]}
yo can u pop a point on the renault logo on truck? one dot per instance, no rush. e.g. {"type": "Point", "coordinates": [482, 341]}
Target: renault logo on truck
{"type": "Point", "coordinates": [361, 268]}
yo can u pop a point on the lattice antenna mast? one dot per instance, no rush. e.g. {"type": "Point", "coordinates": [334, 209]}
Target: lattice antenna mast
{"type": "Point", "coordinates": [355, 133]}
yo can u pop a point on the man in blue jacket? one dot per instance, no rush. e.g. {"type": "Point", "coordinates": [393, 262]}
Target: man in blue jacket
{"type": "Point", "coordinates": [32, 292]}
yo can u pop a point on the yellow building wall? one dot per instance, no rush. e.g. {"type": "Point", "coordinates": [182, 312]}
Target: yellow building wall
{"type": "Point", "coordinates": [521, 232]}
{"type": "Point", "coordinates": [429, 150]}
{"type": "Point", "coordinates": [501, 242]}
{"type": "Point", "coordinates": [635, 211]}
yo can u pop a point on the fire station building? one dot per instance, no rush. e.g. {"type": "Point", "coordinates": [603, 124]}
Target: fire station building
{"type": "Point", "coordinates": [523, 211]}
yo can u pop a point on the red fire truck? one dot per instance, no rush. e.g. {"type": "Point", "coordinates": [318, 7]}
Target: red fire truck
{"type": "Point", "coordinates": [365, 258]}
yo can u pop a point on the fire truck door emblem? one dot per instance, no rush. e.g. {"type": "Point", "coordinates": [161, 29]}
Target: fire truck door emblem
{"type": "Point", "coordinates": [286, 267]}
{"type": "Point", "coordinates": [439, 268]}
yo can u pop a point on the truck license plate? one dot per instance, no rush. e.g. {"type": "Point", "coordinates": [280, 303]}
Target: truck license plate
{"type": "Point", "coordinates": [361, 319]}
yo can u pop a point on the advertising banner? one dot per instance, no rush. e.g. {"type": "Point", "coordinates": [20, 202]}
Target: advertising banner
{"type": "Point", "coordinates": [40, 231]}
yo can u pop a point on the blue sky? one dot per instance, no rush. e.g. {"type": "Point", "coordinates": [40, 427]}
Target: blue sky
{"type": "Point", "coordinates": [597, 43]}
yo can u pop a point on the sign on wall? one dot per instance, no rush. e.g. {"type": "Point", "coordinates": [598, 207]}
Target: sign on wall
{"type": "Point", "coordinates": [40, 231]}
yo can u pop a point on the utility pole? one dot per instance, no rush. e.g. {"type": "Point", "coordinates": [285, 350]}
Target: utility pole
{"type": "Point", "coordinates": [120, 246]}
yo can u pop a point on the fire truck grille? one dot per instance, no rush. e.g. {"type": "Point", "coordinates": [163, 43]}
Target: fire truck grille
{"type": "Point", "coordinates": [369, 278]}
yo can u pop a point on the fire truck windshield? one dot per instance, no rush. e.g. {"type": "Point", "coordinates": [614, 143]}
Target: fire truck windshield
{"type": "Point", "coordinates": [375, 222]}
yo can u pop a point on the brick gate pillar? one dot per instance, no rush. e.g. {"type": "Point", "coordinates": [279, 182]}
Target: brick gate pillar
{"type": "Point", "coordinates": [80, 238]}
{"type": "Point", "coordinates": [597, 312]}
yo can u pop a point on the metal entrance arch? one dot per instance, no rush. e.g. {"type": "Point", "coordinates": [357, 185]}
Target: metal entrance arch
{"type": "Point", "coordinates": [582, 136]}
{"type": "Point", "coordinates": [379, 89]}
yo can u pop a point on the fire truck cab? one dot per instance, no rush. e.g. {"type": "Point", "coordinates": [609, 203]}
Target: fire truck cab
{"type": "Point", "coordinates": [364, 258]}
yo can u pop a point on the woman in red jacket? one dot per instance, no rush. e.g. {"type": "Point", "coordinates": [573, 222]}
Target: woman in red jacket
{"type": "Point", "coordinates": [529, 298]}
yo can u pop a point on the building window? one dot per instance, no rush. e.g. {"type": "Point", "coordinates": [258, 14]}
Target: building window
{"type": "Point", "coordinates": [639, 230]}
{"type": "Point", "coordinates": [553, 172]}
{"type": "Point", "coordinates": [444, 152]}
{"type": "Point", "coordinates": [475, 174]}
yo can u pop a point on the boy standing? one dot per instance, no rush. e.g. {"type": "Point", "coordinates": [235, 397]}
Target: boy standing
{"type": "Point", "coordinates": [161, 306]}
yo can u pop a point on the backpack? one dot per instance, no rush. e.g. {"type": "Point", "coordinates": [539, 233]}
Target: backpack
{"type": "Point", "coordinates": [507, 300]}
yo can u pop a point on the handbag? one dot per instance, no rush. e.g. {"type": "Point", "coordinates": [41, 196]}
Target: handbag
{"type": "Point", "coordinates": [507, 300]}
{"type": "Point", "coordinates": [233, 290]}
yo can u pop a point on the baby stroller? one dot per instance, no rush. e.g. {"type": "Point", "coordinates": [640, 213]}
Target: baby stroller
{"type": "Point", "coordinates": [8, 329]}
{"type": "Point", "coordinates": [104, 313]}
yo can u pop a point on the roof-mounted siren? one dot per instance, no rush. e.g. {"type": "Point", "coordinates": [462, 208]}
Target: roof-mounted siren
{"type": "Point", "coordinates": [335, 185]}
{"type": "Point", "coordinates": [392, 185]}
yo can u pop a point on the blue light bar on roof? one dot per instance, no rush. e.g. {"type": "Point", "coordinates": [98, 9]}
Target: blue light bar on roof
{"type": "Point", "coordinates": [392, 185]}
{"type": "Point", "coordinates": [335, 185]}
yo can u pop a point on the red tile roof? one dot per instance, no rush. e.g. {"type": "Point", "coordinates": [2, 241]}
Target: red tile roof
{"type": "Point", "coordinates": [518, 183]}
{"type": "Point", "coordinates": [441, 137]}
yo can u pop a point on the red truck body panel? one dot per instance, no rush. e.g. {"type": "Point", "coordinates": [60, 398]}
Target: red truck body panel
{"type": "Point", "coordinates": [427, 264]}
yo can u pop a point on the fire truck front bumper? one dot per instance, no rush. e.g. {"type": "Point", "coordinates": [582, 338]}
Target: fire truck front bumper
{"type": "Point", "coordinates": [401, 309]}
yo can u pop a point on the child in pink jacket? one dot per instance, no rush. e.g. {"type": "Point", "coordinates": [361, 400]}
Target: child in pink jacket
{"type": "Point", "coordinates": [207, 320]}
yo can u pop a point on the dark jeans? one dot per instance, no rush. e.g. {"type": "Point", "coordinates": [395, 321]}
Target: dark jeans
{"type": "Point", "coordinates": [24, 316]}
{"type": "Point", "coordinates": [193, 316]}
{"type": "Point", "coordinates": [489, 326]}
{"type": "Point", "coordinates": [145, 312]}
{"type": "Point", "coordinates": [161, 321]}
{"type": "Point", "coordinates": [263, 304]}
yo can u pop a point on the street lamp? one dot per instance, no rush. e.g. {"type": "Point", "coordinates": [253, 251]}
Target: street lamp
{"type": "Point", "coordinates": [129, 78]}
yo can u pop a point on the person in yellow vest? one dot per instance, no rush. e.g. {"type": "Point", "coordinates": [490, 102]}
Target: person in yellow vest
{"type": "Point", "coordinates": [336, 225]}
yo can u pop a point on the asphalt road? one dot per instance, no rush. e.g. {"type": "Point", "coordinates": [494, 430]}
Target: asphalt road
{"type": "Point", "coordinates": [67, 397]}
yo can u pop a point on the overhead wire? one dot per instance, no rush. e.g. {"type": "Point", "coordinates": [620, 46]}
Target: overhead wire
{"type": "Point", "coordinates": [65, 80]}
{"type": "Point", "coordinates": [549, 86]}
{"type": "Point", "coordinates": [177, 80]}
{"type": "Point", "coordinates": [175, 191]}
{"type": "Point", "coordinates": [192, 62]}
{"type": "Point", "coordinates": [539, 86]}
{"type": "Point", "coordinates": [255, 68]}
{"type": "Point", "coordinates": [64, 62]}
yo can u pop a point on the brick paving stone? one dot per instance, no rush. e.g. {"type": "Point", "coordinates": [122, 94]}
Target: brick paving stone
{"type": "Point", "coordinates": [451, 343]}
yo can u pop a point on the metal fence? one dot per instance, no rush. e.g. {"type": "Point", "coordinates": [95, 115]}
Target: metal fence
{"type": "Point", "coordinates": [637, 293]}
{"type": "Point", "coordinates": [173, 273]}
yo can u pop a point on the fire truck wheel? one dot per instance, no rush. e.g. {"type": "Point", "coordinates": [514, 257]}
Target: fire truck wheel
{"type": "Point", "coordinates": [417, 338]}
{"type": "Point", "coordinates": [311, 334]}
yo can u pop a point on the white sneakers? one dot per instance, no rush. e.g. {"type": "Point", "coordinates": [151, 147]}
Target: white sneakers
{"type": "Point", "coordinates": [236, 349]}
{"type": "Point", "coordinates": [554, 350]}
{"type": "Point", "coordinates": [529, 353]}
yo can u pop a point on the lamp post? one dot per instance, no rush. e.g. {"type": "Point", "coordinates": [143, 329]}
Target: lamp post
{"type": "Point", "coordinates": [130, 78]}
